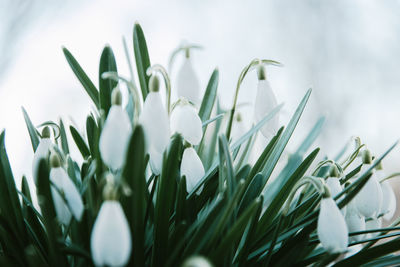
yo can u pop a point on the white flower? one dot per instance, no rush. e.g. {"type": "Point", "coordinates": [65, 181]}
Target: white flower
{"type": "Point", "coordinates": [186, 121]}
{"type": "Point", "coordinates": [192, 168]}
{"type": "Point", "coordinates": [114, 138]}
{"type": "Point", "coordinates": [155, 122]}
{"type": "Point", "coordinates": [355, 222]}
{"type": "Point", "coordinates": [188, 83]}
{"type": "Point", "coordinates": [335, 188]}
{"type": "Point", "coordinates": [197, 261]}
{"type": "Point", "coordinates": [66, 187]}
{"type": "Point", "coordinates": [389, 200]}
{"type": "Point", "coordinates": [42, 152]}
{"type": "Point", "coordinates": [388, 207]}
{"type": "Point", "coordinates": [369, 198]}
{"type": "Point", "coordinates": [111, 237]}
{"type": "Point", "coordinates": [265, 103]}
{"type": "Point", "coordinates": [332, 230]}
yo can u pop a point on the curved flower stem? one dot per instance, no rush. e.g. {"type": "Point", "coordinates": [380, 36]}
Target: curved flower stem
{"type": "Point", "coordinates": [321, 164]}
{"type": "Point", "coordinates": [255, 62]}
{"type": "Point", "coordinates": [354, 155]}
{"type": "Point", "coordinates": [54, 126]}
{"type": "Point", "coordinates": [316, 182]}
{"type": "Point", "coordinates": [163, 71]}
{"type": "Point", "coordinates": [396, 174]}
{"type": "Point", "coordinates": [131, 86]}
{"type": "Point", "coordinates": [182, 48]}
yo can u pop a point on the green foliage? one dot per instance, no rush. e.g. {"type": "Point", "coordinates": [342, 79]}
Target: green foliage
{"type": "Point", "coordinates": [235, 215]}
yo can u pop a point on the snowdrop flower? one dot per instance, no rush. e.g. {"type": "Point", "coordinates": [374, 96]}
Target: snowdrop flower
{"type": "Point", "coordinates": [197, 261]}
{"type": "Point", "coordinates": [155, 122]}
{"type": "Point", "coordinates": [186, 121]}
{"type": "Point", "coordinates": [388, 207]}
{"type": "Point", "coordinates": [333, 183]}
{"type": "Point", "coordinates": [117, 130]}
{"type": "Point", "coordinates": [332, 230]}
{"type": "Point", "coordinates": [187, 82]}
{"type": "Point", "coordinates": [355, 222]}
{"type": "Point", "coordinates": [265, 103]}
{"type": "Point", "coordinates": [192, 168]}
{"type": "Point", "coordinates": [65, 195]}
{"type": "Point", "coordinates": [42, 152]}
{"type": "Point", "coordinates": [110, 241]}
{"type": "Point", "coordinates": [369, 198]}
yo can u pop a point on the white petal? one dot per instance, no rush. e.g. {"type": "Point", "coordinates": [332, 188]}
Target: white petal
{"type": "Point", "coordinates": [111, 238]}
{"type": "Point", "coordinates": [353, 250]}
{"type": "Point", "coordinates": [192, 168]}
{"type": "Point", "coordinates": [332, 229]}
{"type": "Point", "coordinates": [114, 138]}
{"type": "Point", "coordinates": [369, 198]}
{"type": "Point", "coordinates": [186, 121]}
{"type": "Point", "coordinates": [61, 180]}
{"type": "Point", "coordinates": [388, 200]}
{"type": "Point", "coordinates": [335, 188]}
{"type": "Point", "coordinates": [355, 222]}
{"type": "Point", "coordinates": [264, 104]}
{"type": "Point", "coordinates": [155, 122]}
{"type": "Point", "coordinates": [156, 159]}
{"type": "Point", "coordinates": [188, 83]}
{"type": "Point", "coordinates": [42, 152]}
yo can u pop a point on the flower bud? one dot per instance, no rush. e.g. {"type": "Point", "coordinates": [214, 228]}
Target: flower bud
{"type": "Point", "coordinates": [42, 152]}
{"type": "Point", "coordinates": [186, 121]}
{"type": "Point", "coordinates": [332, 230]}
{"type": "Point", "coordinates": [114, 138]}
{"type": "Point", "coordinates": [111, 237]}
{"type": "Point", "coordinates": [155, 122]}
{"type": "Point", "coordinates": [192, 168]}
{"type": "Point", "coordinates": [265, 103]}
{"type": "Point", "coordinates": [369, 198]}
{"type": "Point", "coordinates": [188, 83]}
{"type": "Point", "coordinates": [335, 188]}
{"type": "Point", "coordinates": [66, 199]}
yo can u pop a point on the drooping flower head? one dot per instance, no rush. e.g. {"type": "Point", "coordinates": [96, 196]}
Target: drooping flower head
{"type": "Point", "coordinates": [389, 201]}
{"type": "Point", "coordinates": [187, 82]}
{"type": "Point", "coordinates": [42, 152]}
{"type": "Point", "coordinates": [110, 241]}
{"type": "Point", "coordinates": [155, 122]}
{"type": "Point", "coordinates": [186, 121]}
{"type": "Point", "coordinates": [66, 197]}
{"type": "Point", "coordinates": [264, 104]}
{"type": "Point", "coordinates": [192, 168]}
{"type": "Point", "coordinates": [332, 229]}
{"type": "Point", "coordinates": [117, 130]}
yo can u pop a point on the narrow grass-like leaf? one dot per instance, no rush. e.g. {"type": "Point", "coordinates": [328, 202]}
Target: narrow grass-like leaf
{"type": "Point", "coordinates": [230, 175]}
{"type": "Point", "coordinates": [165, 200]}
{"type": "Point", "coordinates": [142, 58]}
{"type": "Point", "coordinates": [31, 129]}
{"type": "Point", "coordinates": [135, 204]}
{"type": "Point", "coordinates": [107, 64]}
{"type": "Point", "coordinates": [63, 137]}
{"type": "Point", "coordinates": [80, 143]}
{"type": "Point", "coordinates": [209, 97]}
{"type": "Point", "coordinates": [82, 77]}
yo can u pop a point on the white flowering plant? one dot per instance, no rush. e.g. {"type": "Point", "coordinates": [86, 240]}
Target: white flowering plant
{"type": "Point", "coordinates": [171, 184]}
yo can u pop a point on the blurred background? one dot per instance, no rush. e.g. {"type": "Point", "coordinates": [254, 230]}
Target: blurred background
{"type": "Point", "coordinates": [347, 51]}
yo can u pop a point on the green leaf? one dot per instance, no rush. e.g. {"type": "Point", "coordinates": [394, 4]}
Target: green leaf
{"type": "Point", "coordinates": [225, 155]}
{"type": "Point", "coordinates": [135, 204]}
{"type": "Point", "coordinates": [64, 140]}
{"type": "Point", "coordinates": [107, 64]}
{"type": "Point", "coordinates": [80, 143]}
{"type": "Point", "coordinates": [142, 58]}
{"type": "Point", "coordinates": [92, 133]}
{"type": "Point", "coordinates": [280, 146]}
{"type": "Point", "coordinates": [31, 129]}
{"type": "Point", "coordinates": [165, 200]}
{"type": "Point", "coordinates": [83, 78]}
{"type": "Point", "coordinates": [209, 97]}
{"type": "Point", "coordinates": [9, 203]}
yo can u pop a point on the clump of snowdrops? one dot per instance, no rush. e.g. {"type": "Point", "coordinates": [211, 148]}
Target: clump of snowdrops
{"type": "Point", "coordinates": [170, 184]}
